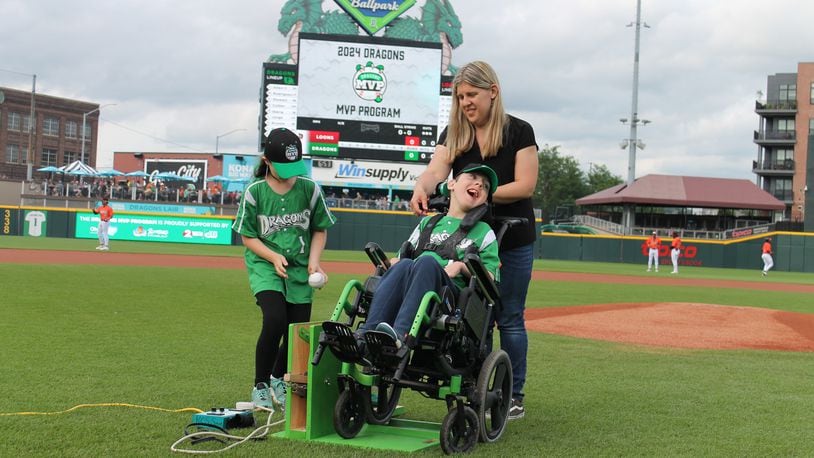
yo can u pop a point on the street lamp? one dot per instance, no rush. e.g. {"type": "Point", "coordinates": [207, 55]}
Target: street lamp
{"type": "Point", "coordinates": [32, 124]}
{"type": "Point", "coordinates": [217, 139]}
{"type": "Point", "coordinates": [84, 128]}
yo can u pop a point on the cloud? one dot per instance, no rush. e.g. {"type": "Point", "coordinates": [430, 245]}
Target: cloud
{"type": "Point", "coordinates": [182, 72]}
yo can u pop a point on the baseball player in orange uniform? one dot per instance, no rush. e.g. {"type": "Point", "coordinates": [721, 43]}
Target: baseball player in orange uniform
{"type": "Point", "coordinates": [675, 251]}
{"type": "Point", "coordinates": [653, 244]}
{"type": "Point", "coordinates": [105, 214]}
{"type": "Point", "coordinates": [768, 262]}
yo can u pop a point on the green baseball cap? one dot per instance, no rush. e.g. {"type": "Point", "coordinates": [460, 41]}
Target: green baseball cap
{"type": "Point", "coordinates": [481, 169]}
{"type": "Point", "coordinates": [283, 149]}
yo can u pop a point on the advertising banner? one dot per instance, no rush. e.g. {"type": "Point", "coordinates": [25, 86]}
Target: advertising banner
{"type": "Point", "coordinates": [365, 174]}
{"type": "Point", "coordinates": [210, 231]}
{"type": "Point", "coordinates": [239, 168]}
{"type": "Point", "coordinates": [191, 168]}
{"type": "Point", "coordinates": [159, 207]}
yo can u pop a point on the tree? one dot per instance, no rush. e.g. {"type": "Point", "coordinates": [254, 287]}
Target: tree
{"type": "Point", "coordinates": [560, 181]}
{"type": "Point", "coordinates": [600, 178]}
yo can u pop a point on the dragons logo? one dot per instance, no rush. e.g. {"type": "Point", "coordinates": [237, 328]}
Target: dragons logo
{"type": "Point", "coordinates": [369, 82]}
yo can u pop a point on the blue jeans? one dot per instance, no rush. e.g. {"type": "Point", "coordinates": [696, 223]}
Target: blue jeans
{"type": "Point", "coordinates": [400, 292]}
{"type": "Point", "coordinates": [515, 275]}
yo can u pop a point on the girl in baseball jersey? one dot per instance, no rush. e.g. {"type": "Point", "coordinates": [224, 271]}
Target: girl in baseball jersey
{"type": "Point", "coordinates": [282, 220]}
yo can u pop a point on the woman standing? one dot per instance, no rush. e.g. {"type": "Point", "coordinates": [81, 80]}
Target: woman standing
{"type": "Point", "coordinates": [480, 131]}
{"type": "Point", "coordinates": [282, 220]}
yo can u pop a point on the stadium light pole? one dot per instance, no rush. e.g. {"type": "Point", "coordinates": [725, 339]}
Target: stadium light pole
{"type": "Point", "coordinates": [32, 124]}
{"type": "Point", "coordinates": [632, 142]}
{"type": "Point", "coordinates": [217, 138]}
{"type": "Point", "coordinates": [84, 128]}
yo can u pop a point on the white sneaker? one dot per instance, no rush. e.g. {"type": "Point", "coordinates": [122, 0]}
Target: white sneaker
{"type": "Point", "coordinates": [648, 270]}
{"type": "Point", "coordinates": [99, 247]}
{"type": "Point", "coordinates": [674, 272]}
{"type": "Point", "coordinates": [104, 248]}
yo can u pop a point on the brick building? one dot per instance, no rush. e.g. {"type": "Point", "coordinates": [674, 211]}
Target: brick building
{"type": "Point", "coordinates": [783, 165]}
{"type": "Point", "coordinates": [57, 136]}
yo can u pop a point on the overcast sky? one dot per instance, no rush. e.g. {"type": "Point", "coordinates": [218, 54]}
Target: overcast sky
{"type": "Point", "coordinates": [182, 72]}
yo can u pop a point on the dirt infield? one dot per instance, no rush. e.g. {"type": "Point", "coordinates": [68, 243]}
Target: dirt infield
{"type": "Point", "coordinates": [681, 325]}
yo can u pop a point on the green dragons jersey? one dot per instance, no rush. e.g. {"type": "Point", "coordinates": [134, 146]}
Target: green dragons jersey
{"type": "Point", "coordinates": [284, 223]}
{"type": "Point", "coordinates": [481, 235]}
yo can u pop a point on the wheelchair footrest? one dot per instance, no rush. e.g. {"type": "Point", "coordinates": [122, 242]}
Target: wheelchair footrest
{"type": "Point", "coordinates": [342, 342]}
{"type": "Point", "coordinates": [382, 349]}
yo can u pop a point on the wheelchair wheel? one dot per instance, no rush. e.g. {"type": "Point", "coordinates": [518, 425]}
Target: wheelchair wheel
{"type": "Point", "coordinates": [494, 395]}
{"type": "Point", "coordinates": [349, 413]}
{"type": "Point", "coordinates": [459, 435]}
{"type": "Point", "coordinates": [386, 400]}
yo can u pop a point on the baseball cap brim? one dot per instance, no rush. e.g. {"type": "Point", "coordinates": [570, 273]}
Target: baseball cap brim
{"type": "Point", "coordinates": [476, 168]}
{"type": "Point", "coordinates": [287, 170]}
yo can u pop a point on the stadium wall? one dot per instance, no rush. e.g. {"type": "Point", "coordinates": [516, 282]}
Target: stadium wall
{"type": "Point", "coordinates": [793, 251]}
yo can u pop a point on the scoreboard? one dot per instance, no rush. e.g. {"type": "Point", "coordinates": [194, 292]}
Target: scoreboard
{"type": "Point", "coordinates": [357, 97]}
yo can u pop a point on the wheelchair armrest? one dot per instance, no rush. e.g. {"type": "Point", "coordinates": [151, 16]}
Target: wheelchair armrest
{"type": "Point", "coordinates": [377, 256]}
{"type": "Point", "coordinates": [484, 281]}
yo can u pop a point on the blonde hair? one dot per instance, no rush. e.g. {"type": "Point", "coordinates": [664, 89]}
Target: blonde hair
{"type": "Point", "coordinates": [460, 132]}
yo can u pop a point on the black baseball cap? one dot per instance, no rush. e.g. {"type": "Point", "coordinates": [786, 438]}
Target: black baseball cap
{"type": "Point", "coordinates": [480, 169]}
{"type": "Point", "coordinates": [283, 149]}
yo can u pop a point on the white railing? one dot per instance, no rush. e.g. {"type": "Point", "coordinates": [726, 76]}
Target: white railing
{"type": "Point", "coordinates": [601, 224]}
{"type": "Point", "coordinates": [750, 228]}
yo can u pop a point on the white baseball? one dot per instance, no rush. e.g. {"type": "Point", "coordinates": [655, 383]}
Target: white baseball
{"type": "Point", "coordinates": [317, 280]}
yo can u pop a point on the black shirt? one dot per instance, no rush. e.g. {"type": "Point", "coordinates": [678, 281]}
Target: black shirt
{"type": "Point", "coordinates": [519, 134]}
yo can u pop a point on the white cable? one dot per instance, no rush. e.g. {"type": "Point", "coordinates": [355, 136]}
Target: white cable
{"type": "Point", "coordinates": [256, 434]}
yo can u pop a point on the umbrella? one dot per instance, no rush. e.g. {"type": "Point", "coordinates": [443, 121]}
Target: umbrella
{"type": "Point", "coordinates": [81, 173]}
{"type": "Point", "coordinates": [219, 179]}
{"type": "Point", "coordinates": [50, 169]}
{"type": "Point", "coordinates": [109, 173]}
{"type": "Point", "coordinates": [138, 173]}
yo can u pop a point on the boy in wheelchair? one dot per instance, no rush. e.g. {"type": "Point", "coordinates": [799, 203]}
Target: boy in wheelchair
{"type": "Point", "coordinates": [432, 258]}
{"type": "Point", "coordinates": [426, 324]}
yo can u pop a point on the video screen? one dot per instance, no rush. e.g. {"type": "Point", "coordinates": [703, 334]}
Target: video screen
{"type": "Point", "coordinates": [360, 97]}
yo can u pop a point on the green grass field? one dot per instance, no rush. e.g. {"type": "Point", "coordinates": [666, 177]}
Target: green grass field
{"type": "Point", "coordinates": [175, 338]}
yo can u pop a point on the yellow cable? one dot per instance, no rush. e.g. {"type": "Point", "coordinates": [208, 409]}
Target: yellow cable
{"type": "Point", "coordinates": [105, 404]}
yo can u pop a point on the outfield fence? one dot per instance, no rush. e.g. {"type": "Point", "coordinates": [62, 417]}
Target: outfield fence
{"type": "Point", "coordinates": [793, 251]}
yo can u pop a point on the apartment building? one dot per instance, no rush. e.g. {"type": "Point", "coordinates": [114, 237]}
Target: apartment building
{"type": "Point", "coordinates": [784, 155]}
{"type": "Point", "coordinates": [57, 135]}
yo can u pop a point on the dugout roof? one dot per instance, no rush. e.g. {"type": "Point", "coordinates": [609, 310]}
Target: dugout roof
{"type": "Point", "coordinates": [681, 191]}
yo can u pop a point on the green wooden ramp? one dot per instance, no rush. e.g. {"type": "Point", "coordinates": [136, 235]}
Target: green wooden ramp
{"type": "Point", "coordinates": [310, 417]}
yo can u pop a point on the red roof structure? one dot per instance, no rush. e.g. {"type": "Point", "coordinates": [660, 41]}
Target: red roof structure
{"type": "Point", "coordinates": [681, 191]}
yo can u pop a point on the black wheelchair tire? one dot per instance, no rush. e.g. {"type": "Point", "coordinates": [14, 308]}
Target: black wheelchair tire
{"type": "Point", "coordinates": [349, 413]}
{"type": "Point", "coordinates": [381, 413]}
{"type": "Point", "coordinates": [456, 438]}
{"type": "Point", "coordinates": [494, 395]}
